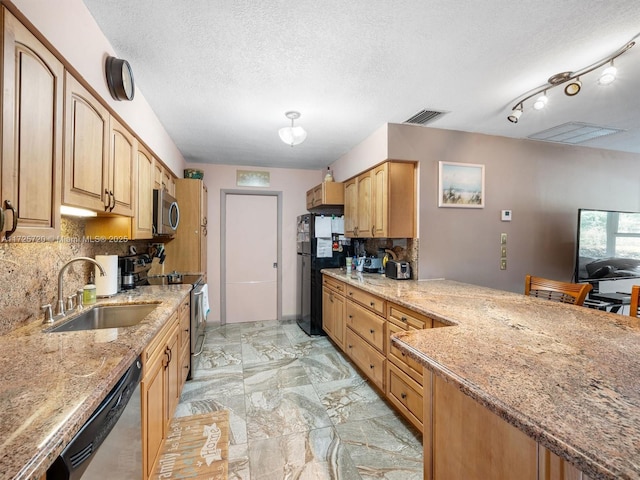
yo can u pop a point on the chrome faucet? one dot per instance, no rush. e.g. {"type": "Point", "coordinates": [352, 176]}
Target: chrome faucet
{"type": "Point", "coordinates": [60, 302]}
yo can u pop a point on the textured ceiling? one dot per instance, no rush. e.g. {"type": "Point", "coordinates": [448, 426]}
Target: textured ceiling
{"type": "Point", "coordinates": [221, 74]}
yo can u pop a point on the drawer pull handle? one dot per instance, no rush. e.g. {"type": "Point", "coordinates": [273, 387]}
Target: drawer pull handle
{"type": "Point", "coordinates": [372, 331]}
{"type": "Point", "coordinates": [404, 319]}
{"type": "Point", "coordinates": [371, 366]}
{"type": "Point", "coordinates": [373, 304]}
{"type": "Point", "coordinates": [403, 395]}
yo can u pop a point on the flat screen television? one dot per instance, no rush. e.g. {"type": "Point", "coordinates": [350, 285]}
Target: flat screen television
{"type": "Point", "coordinates": [608, 245]}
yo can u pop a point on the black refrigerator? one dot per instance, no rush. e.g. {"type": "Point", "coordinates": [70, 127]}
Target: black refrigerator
{"type": "Point", "coordinates": [312, 257]}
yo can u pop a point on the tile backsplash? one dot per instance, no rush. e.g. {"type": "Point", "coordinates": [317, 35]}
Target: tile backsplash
{"type": "Point", "coordinates": [29, 271]}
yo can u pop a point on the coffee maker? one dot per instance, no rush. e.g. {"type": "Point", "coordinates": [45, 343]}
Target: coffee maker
{"type": "Point", "coordinates": [127, 269]}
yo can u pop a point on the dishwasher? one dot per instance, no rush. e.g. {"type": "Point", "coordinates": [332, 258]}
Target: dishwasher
{"type": "Point", "coordinates": [109, 444]}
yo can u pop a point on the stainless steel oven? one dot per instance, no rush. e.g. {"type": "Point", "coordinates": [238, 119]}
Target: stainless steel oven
{"type": "Point", "coordinates": [198, 313]}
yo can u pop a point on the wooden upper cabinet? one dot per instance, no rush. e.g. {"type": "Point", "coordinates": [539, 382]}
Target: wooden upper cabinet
{"type": "Point", "coordinates": [350, 207]}
{"type": "Point", "coordinates": [86, 154]}
{"type": "Point", "coordinates": [325, 194]}
{"type": "Point", "coordinates": [381, 202]}
{"type": "Point", "coordinates": [364, 217]}
{"type": "Point", "coordinates": [32, 110]}
{"type": "Point", "coordinates": [143, 211]}
{"type": "Point", "coordinates": [119, 173]}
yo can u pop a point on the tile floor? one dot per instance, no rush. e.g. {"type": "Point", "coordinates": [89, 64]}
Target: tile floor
{"type": "Point", "coordinates": [297, 408]}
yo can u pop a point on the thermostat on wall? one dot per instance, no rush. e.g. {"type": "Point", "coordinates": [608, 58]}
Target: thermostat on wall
{"type": "Point", "coordinates": [506, 215]}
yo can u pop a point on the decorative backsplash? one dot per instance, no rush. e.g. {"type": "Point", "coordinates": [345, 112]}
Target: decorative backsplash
{"type": "Point", "coordinates": [29, 271]}
{"type": "Point", "coordinates": [406, 249]}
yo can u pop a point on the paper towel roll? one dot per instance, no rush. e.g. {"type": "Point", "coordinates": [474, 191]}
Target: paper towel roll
{"type": "Point", "coordinates": [107, 285]}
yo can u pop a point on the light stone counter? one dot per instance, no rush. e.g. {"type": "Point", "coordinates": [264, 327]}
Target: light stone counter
{"type": "Point", "coordinates": [567, 376]}
{"type": "Point", "coordinates": [52, 382]}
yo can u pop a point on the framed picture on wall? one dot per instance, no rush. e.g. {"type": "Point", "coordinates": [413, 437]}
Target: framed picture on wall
{"type": "Point", "coordinates": [460, 185]}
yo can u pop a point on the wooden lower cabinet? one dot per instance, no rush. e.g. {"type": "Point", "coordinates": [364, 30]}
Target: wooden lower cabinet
{"type": "Point", "coordinates": [163, 377]}
{"type": "Point", "coordinates": [333, 312]}
{"type": "Point", "coordinates": [406, 394]}
{"type": "Point", "coordinates": [464, 439]}
{"type": "Point", "coordinates": [368, 359]}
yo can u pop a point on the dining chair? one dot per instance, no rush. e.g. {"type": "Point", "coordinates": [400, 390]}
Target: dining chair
{"type": "Point", "coordinates": [563, 292]}
{"type": "Point", "coordinates": [635, 301]}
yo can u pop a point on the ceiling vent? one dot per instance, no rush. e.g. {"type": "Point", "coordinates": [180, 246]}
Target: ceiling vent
{"type": "Point", "coordinates": [573, 133]}
{"type": "Point", "coordinates": [424, 116]}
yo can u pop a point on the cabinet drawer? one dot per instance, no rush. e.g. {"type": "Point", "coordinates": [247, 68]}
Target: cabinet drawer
{"type": "Point", "coordinates": [407, 319]}
{"type": "Point", "coordinates": [370, 361]}
{"type": "Point", "coordinates": [370, 301]}
{"type": "Point", "coordinates": [185, 364]}
{"type": "Point", "coordinates": [332, 284]}
{"type": "Point", "coordinates": [368, 325]}
{"type": "Point", "coordinates": [185, 327]}
{"type": "Point", "coordinates": [157, 345]}
{"type": "Point", "coordinates": [403, 361]}
{"type": "Point", "coordinates": [405, 394]}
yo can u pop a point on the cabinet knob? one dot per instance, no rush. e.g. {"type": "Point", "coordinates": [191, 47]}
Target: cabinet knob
{"type": "Point", "coordinates": [372, 331]}
{"type": "Point", "coordinates": [371, 366]}
{"type": "Point", "coordinates": [403, 395]}
{"type": "Point", "coordinates": [404, 319]}
{"type": "Point", "coordinates": [349, 346]}
{"type": "Point", "coordinates": [403, 354]}
{"type": "Point", "coordinates": [373, 304]}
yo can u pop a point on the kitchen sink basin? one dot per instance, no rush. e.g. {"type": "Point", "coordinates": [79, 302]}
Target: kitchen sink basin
{"type": "Point", "coordinates": [107, 316]}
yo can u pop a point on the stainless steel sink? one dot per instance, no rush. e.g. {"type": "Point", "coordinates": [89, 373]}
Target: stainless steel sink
{"type": "Point", "coordinates": [107, 316]}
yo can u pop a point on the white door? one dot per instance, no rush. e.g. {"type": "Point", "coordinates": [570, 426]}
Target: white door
{"type": "Point", "coordinates": [251, 242]}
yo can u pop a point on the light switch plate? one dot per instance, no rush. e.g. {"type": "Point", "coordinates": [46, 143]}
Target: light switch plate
{"type": "Point", "coordinates": [503, 264]}
{"type": "Point", "coordinates": [503, 251]}
{"type": "Point", "coordinates": [503, 239]}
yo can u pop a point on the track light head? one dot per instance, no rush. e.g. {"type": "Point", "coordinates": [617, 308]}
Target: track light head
{"type": "Point", "coordinates": [516, 113]}
{"type": "Point", "coordinates": [608, 75]}
{"type": "Point", "coordinates": [573, 87]}
{"type": "Point", "coordinates": [541, 101]}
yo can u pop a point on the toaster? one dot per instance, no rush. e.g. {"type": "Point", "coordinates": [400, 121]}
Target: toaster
{"type": "Point", "coordinates": [398, 270]}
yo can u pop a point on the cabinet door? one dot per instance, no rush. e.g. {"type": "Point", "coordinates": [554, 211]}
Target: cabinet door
{"type": "Point", "coordinates": [143, 210]}
{"type": "Point", "coordinates": [173, 377]}
{"type": "Point", "coordinates": [333, 313]}
{"type": "Point", "coordinates": [158, 172]}
{"type": "Point", "coordinates": [153, 412]}
{"type": "Point", "coordinates": [350, 207]}
{"type": "Point", "coordinates": [86, 150]}
{"type": "Point", "coordinates": [380, 207]}
{"type": "Point", "coordinates": [122, 153]}
{"type": "Point", "coordinates": [32, 132]}
{"type": "Point", "coordinates": [364, 217]}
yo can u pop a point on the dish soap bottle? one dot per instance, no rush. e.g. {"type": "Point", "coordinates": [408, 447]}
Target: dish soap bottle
{"type": "Point", "coordinates": [89, 292]}
{"type": "Point", "coordinates": [329, 176]}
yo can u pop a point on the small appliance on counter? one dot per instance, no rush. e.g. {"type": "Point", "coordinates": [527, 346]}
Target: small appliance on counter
{"type": "Point", "coordinates": [398, 270]}
{"type": "Point", "coordinates": [373, 264]}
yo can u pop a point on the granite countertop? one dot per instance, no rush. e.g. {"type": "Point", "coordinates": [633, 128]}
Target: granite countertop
{"type": "Point", "coordinates": [567, 376]}
{"type": "Point", "coordinates": [52, 382]}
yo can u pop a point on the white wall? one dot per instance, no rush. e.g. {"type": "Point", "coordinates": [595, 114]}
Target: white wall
{"type": "Point", "coordinates": [69, 27]}
{"type": "Point", "coordinates": [293, 183]}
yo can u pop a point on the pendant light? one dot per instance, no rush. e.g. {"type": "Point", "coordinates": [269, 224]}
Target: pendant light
{"type": "Point", "coordinates": [292, 135]}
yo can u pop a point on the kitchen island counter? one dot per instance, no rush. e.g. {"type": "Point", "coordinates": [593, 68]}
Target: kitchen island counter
{"type": "Point", "coordinates": [52, 382]}
{"type": "Point", "coordinates": [566, 376]}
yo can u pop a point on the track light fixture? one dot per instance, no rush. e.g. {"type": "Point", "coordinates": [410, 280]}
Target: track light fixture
{"type": "Point", "coordinates": [571, 80]}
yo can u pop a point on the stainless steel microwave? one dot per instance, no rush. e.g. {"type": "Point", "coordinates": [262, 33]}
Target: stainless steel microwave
{"type": "Point", "coordinates": [166, 213]}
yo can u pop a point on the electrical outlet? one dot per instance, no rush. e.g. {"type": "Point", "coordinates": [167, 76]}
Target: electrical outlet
{"type": "Point", "coordinates": [503, 264]}
{"type": "Point", "coordinates": [503, 238]}
{"type": "Point", "coordinates": [503, 251]}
